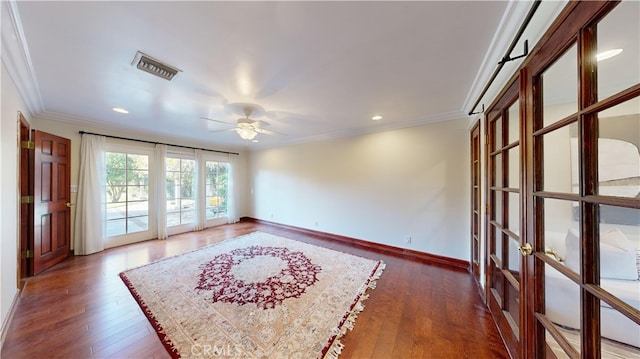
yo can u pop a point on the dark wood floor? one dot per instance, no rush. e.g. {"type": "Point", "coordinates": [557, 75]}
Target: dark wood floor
{"type": "Point", "coordinates": [81, 309]}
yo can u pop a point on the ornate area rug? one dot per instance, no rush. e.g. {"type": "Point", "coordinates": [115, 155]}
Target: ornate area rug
{"type": "Point", "coordinates": [255, 296]}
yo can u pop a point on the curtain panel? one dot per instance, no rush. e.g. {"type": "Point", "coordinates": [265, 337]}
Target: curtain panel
{"type": "Point", "coordinates": [89, 230]}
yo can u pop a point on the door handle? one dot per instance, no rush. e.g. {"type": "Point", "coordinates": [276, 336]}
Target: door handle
{"type": "Point", "coordinates": [69, 204]}
{"type": "Point", "coordinates": [526, 250]}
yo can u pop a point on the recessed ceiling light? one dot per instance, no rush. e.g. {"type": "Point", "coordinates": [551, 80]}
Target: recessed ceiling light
{"type": "Point", "coordinates": [608, 54]}
{"type": "Point", "coordinates": [120, 110]}
{"type": "Point", "coordinates": [376, 118]}
{"type": "Point", "coordinates": [255, 141]}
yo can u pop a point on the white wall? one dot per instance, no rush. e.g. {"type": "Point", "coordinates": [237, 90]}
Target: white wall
{"type": "Point", "coordinates": [379, 187]}
{"type": "Point", "coordinates": [11, 103]}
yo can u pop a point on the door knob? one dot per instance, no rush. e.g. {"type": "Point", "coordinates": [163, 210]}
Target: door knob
{"type": "Point", "coordinates": [526, 250]}
{"type": "Point", "coordinates": [69, 204]}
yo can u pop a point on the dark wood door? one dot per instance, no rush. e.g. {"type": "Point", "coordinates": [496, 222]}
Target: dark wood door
{"type": "Point", "coordinates": [504, 268]}
{"type": "Point", "coordinates": [52, 196]}
{"type": "Point", "coordinates": [475, 201]}
{"type": "Point", "coordinates": [26, 202]}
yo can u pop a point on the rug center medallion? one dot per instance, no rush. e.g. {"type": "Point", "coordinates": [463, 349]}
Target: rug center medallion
{"type": "Point", "coordinates": [265, 276]}
{"type": "Point", "coordinates": [258, 269]}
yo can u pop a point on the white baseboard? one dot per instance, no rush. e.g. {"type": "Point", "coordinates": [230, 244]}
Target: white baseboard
{"type": "Point", "coordinates": [7, 322]}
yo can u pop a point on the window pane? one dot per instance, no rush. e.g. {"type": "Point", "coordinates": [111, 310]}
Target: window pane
{"type": "Point", "coordinates": [137, 224]}
{"type": "Point", "coordinates": [618, 155]}
{"type": "Point", "coordinates": [127, 192]}
{"type": "Point", "coordinates": [138, 177]}
{"type": "Point", "coordinates": [560, 88]}
{"type": "Point", "coordinates": [172, 164]}
{"type": "Point", "coordinates": [619, 30]}
{"type": "Point", "coordinates": [616, 329]}
{"type": "Point", "coordinates": [216, 189]}
{"type": "Point", "coordinates": [137, 162]}
{"type": "Point", "coordinates": [116, 227]}
{"type": "Point", "coordinates": [116, 160]}
{"type": "Point", "coordinates": [560, 160]}
{"type": "Point", "coordinates": [180, 190]}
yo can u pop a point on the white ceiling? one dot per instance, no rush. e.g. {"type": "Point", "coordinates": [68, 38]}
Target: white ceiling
{"type": "Point", "coordinates": [318, 69]}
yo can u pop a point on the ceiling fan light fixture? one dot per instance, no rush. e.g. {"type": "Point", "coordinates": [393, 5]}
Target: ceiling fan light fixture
{"type": "Point", "coordinates": [246, 133]}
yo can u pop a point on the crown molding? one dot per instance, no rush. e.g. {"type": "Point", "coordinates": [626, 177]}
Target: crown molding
{"type": "Point", "coordinates": [16, 58]}
{"type": "Point", "coordinates": [92, 125]}
{"type": "Point", "coordinates": [511, 20]}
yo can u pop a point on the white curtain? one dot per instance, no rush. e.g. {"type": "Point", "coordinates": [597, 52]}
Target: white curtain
{"type": "Point", "coordinates": [161, 191]}
{"type": "Point", "coordinates": [200, 176]}
{"type": "Point", "coordinates": [234, 190]}
{"type": "Point", "coordinates": [90, 210]}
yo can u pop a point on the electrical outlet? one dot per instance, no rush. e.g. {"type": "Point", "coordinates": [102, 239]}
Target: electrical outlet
{"type": "Point", "coordinates": [407, 239]}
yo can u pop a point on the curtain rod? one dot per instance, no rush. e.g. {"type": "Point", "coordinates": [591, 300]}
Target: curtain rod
{"type": "Point", "coordinates": [515, 40]}
{"type": "Point", "coordinates": [157, 143]}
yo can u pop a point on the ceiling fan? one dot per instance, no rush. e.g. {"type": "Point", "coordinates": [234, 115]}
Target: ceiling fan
{"type": "Point", "coordinates": [246, 127]}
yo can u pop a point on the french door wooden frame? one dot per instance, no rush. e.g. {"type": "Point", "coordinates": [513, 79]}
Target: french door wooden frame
{"type": "Point", "coordinates": [475, 148]}
{"type": "Point", "coordinates": [576, 25]}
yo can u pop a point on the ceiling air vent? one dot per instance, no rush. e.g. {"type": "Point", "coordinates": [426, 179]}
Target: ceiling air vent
{"type": "Point", "coordinates": [154, 66]}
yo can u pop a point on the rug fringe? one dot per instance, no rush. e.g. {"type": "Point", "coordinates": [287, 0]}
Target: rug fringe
{"type": "Point", "coordinates": [350, 321]}
{"type": "Point", "coordinates": [335, 350]}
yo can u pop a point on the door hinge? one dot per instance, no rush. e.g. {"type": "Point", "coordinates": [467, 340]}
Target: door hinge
{"type": "Point", "coordinates": [29, 145]}
{"type": "Point", "coordinates": [27, 254]}
{"type": "Point", "coordinates": [26, 199]}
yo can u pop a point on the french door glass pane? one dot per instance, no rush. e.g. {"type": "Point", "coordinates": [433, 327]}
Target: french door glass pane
{"type": "Point", "coordinates": [555, 347]}
{"type": "Point", "coordinates": [560, 160]}
{"type": "Point", "coordinates": [561, 231]}
{"type": "Point", "coordinates": [514, 122]}
{"type": "Point", "coordinates": [562, 305]}
{"type": "Point", "coordinates": [620, 252]}
{"type": "Point", "coordinates": [497, 134]}
{"type": "Point", "coordinates": [498, 207]}
{"type": "Point", "coordinates": [620, 335]}
{"type": "Point", "coordinates": [560, 88]}
{"type": "Point", "coordinates": [514, 167]}
{"type": "Point", "coordinates": [618, 156]}
{"type": "Point", "coordinates": [497, 179]}
{"type": "Point", "coordinates": [498, 241]}
{"type": "Point", "coordinates": [514, 258]}
{"type": "Point", "coordinates": [619, 30]}
{"type": "Point", "coordinates": [513, 307]}
{"type": "Point", "coordinates": [514, 212]}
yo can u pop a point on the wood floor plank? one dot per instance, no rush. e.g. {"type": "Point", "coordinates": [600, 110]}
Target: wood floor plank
{"type": "Point", "coordinates": [418, 310]}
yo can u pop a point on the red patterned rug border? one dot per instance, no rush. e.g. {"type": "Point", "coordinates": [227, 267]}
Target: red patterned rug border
{"type": "Point", "coordinates": [360, 297]}
{"type": "Point", "coordinates": [147, 312]}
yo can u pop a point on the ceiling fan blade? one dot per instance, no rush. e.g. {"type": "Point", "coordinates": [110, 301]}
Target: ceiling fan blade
{"type": "Point", "coordinates": [260, 123]}
{"type": "Point", "coordinates": [210, 119]}
{"type": "Point", "coordinates": [225, 130]}
{"type": "Point", "coordinates": [269, 132]}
